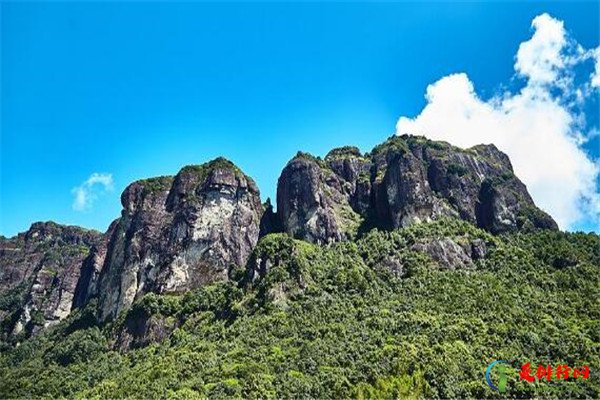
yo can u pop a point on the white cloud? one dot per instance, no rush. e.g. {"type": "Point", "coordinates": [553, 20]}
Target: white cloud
{"type": "Point", "coordinates": [541, 126]}
{"type": "Point", "coordinates": [540, 58]}
{"type": "Point", "coordinates": [86, 194]}
{"type": "Point", "coordinates": [596, 74]}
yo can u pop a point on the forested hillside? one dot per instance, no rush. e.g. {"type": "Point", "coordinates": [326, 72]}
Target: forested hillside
{"type": "Point", "coordinates": [413, 312]}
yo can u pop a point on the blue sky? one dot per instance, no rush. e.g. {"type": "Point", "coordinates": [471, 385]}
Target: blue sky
{"type": "Point", "coordinates": [140, 89]}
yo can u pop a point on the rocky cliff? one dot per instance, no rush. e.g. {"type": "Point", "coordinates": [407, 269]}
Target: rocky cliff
{"type": "Point", "coordinates": [178, 233]}
{"type": "Point", "coordinates": [39, 271]}
{"type": "Point", "coordinates": [405, 180]}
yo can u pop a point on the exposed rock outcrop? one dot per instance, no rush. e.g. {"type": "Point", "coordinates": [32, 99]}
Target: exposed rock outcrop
{"type": "Point", "coordinates": [141, 328]}
{"type": "Point", "coordinates": [319, 204]}
{"type": "Point", "coordinates": [407, 179]}
{"type": "Point", "coordinates": [179, 233]}
{"type": "Point", "coordinates": [87, 285]}
{"type": "Point", "coordinates": [39, 270]}
{"type": "Point", "coordinates": [269, 222]}
{"type": "Point", "coordinates": [446, 253]}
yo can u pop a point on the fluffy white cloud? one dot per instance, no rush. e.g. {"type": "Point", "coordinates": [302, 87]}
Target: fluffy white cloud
{"type": "Point", "coordinates": [541, 126]}
{"type": "Point", "coordinates": [86, 193]}
{"type": "Point", "coordinates": [540, 59]}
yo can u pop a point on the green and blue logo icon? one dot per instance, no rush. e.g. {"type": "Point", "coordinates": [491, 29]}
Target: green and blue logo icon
{"type": "Point", "coordinates": [501, 374]}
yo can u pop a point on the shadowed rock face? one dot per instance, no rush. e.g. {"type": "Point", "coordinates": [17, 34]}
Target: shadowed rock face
{"type": "Point", "coordinates": [87, 285]}
{"type": "Point", "coordinates": [405, 180]}
{"type": "Point", "coordinates": [304, 203]}
{"type": "Point", "coordinates": [39, 271]}
{"type": "Point", "coordinates": [319, 200]}
{"type": "Point", "coordinates": [179, 233]}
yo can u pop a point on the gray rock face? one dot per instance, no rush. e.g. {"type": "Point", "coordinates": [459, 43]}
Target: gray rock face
{"type": "Point", "coordinates": [446, 253]}
{"type": "Point", "coordinates": [317, 204]}
{"type": "Point", "coordinates": [478, 249]}
{"type": "Point", "coordinates": [87, 285]}
{"type": "Point", "coordinates": [269, 222]}
{"type": "Point", "coordinates": [403, 193]}
{"type": "Point", "coordinates": [393, 265]}
{"type": "Point", "coordinates": [39, 270]}
{"type": "Point", "coordinates": [140, 329]}
{"type": "Point", "coordinates": [304, 204]}
{"type": "Point", "coordinates": [405, 180]}
{"type": "Point", "coordinates": [179, 233]}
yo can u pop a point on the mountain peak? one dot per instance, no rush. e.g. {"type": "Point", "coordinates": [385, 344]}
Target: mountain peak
{"type": "Point", "coordinates": [179, 233]}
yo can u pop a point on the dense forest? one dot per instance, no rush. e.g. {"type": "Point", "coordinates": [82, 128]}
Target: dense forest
{"type": "Point", "coordinates": [372, 317]}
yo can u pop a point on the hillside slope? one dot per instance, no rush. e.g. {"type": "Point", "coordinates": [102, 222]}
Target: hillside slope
{"type": "Point", "coordinates": [383, 316]}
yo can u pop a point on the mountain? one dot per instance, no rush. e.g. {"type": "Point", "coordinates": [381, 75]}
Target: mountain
{"type": "Point", "coordinates": [372, 265]}
{"type": "Point", "coordinates": [178, 233]}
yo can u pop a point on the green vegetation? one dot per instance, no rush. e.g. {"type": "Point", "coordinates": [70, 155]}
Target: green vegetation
{"type": "Point", "coordinates": [217, 163]}
{"type": "Point", "coordinates": [13, 298]}
{"type": "Point", "coordinates": [436, 145]}
{"type": "Point", "coordinates": [404, 142]}
{"type": "Point", "coordinates": [349, 220]}
{"type": "Point", "coordinates": [77, 250]}
{"type": "Point", "coordinates": [364, 177]}
{"type": "Point", "coordinates": [343, 152]}
{"type": "Point", "coordinates": [156, 184]}
{"type": "Point", "coordinates": [394, 143]}
{"type": "Point", "coordinates": [203, 170]}
{"type": "Point", "coordinates": [457, 169]}
{"type": "Point", "coordinates": [309, 157]}
{"type": "Point", "coordinates": [334, 322]}
{"type": "Point", "coordinates": [530, 218]}
{"type": "Point", "coordinates": [37, 317]}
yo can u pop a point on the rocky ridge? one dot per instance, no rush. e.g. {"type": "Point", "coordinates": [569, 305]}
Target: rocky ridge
{"type": "Point", "coordinates": [39, 273]}
{"type": "Point", "coordinates": [177, 233]}
{"type": "Point", "coordinates": [406, 180]}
